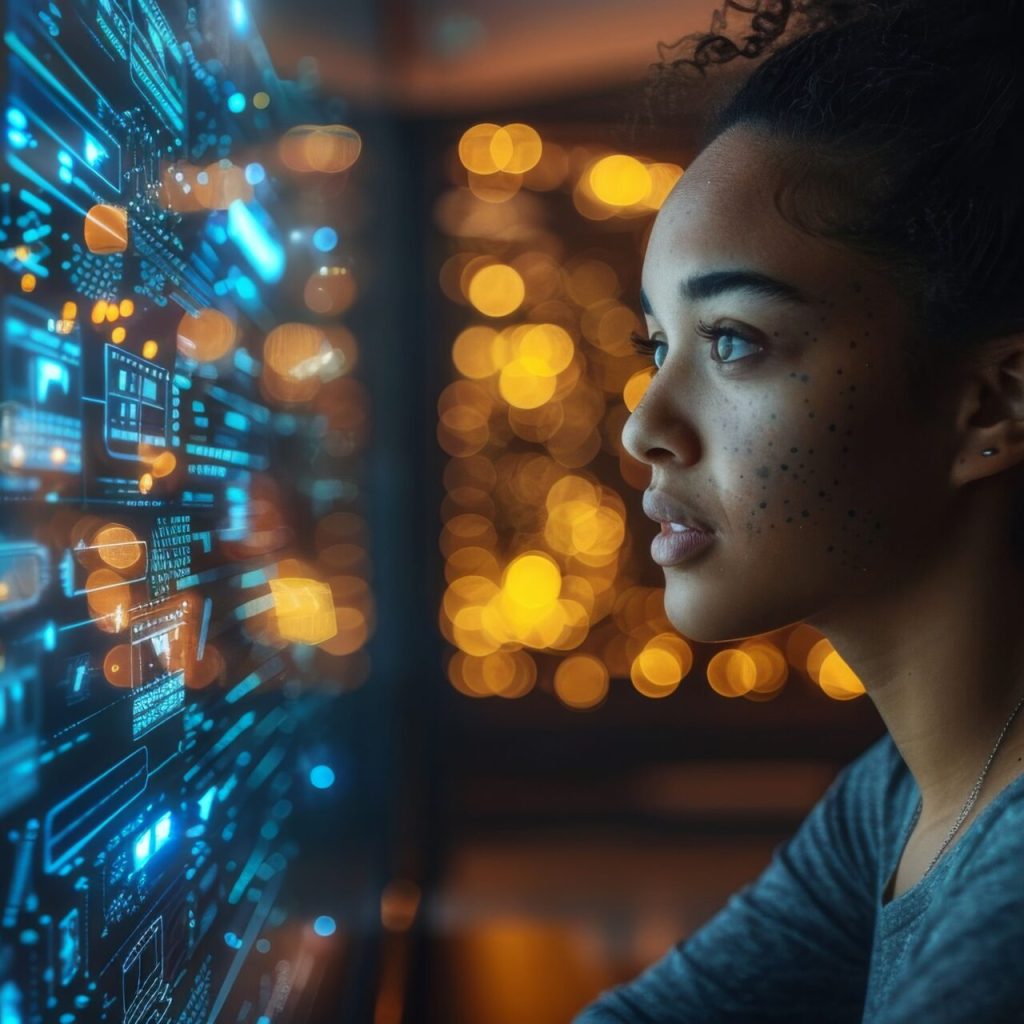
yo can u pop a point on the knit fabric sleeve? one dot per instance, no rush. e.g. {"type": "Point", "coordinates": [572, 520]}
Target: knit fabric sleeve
{"type": "Point", "coordinates": [792, 946]}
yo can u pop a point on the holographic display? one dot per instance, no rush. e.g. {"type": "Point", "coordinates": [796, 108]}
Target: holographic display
{"type": "Point", "coordinates": [173, 643]}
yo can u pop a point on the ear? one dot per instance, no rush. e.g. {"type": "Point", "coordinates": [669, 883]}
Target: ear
{"type": "Point", "coordinates": [990, 410]}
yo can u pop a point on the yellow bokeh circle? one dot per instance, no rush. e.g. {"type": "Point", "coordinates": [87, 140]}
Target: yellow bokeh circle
{"type": "Point", "coordinates": [581, 682]}
{"type": "Point", "coordinates": [497, 290]}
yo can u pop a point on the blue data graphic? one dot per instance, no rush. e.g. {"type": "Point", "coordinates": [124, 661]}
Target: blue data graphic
{"type": "Point", "coordinates": [185, 599]}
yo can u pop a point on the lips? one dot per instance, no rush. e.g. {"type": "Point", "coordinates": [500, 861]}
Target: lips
{"type": "Point", "coordinates": [664, 509]}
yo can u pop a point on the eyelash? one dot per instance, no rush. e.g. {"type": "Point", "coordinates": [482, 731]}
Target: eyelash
{"type": "Point", "coordinates": [712, 332]}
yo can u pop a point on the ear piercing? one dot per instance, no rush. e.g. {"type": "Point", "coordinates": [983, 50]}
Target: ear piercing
{"type": "Point", "coordinates": [990, 451]}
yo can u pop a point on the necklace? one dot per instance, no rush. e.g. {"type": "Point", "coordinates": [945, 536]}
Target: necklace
{"type": "Point", "coordinates": [966, 809]}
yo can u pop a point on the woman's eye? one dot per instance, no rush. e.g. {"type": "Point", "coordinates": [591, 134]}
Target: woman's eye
{"type": "Point", "coordinates": [726, 341]}
{"type": "Point", "coordinates": [654, 347]}
{"type": "Point", "coordinates": [734, 341]}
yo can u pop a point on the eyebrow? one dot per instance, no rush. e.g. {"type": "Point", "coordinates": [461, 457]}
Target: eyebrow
{"type": "Point", "coordinates": [717, 282]}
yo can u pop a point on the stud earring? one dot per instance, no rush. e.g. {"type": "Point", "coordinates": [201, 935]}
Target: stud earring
{"type": "Point", "coordinates": [990, 451]}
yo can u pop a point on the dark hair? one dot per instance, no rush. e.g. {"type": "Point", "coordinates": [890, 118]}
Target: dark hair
{"type": "Point", "coordinates": [906, 119]}
{"type": "Point", "coordinates": [905, 125]}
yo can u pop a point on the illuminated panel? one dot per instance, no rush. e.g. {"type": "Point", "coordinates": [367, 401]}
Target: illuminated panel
{"type": "Point", "coordinates": [66, 120]}
{"type": "Point", "coordinates": [172, 553]}
{"type": "Point", "coordinates": [137, 404]}
{"type": "Point", "coordinates": [146, 993]}
{"type": "Point", "coordinates": [158, 707]}
{"type": "Point", "coordinates": [156, 64]}
{"type": "Point", "coordinates": [79, 817]}
{"type": "Point", "coordinates": [160, 640]}
{"type": "Point", "coordinates": [75, 574]}
{"type": "Point", "coordinates": [41, 390]}
{"type": "Point", "coordinates": [24, 575]}
{"type": "Point", "coordinates": [19, 726]}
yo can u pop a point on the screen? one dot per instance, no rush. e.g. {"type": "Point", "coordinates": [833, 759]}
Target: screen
{"type": "Point", "coordinates": [184, 597]}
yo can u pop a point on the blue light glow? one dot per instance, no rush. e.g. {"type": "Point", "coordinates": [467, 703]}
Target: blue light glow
{"type": "Point", "coordinates": [245, 289]}
{"type": "Point", "coordinates": [94, 152]}
{"type": "Point", "coordinates": [253, 239]}
{"type": "Point", "coordinates": [143, 849]}
{"type": "Point", "coordinates": [322, 776]}
{"type": "Point", "coordinates": [236, 103]}
{"type": "Point", "coordinates": [325, 239]}
{"type": "Point", "coordinates": [239, 15]}
{"type": "Point", "coordinates": [18, 139]}
{"type": "Point", "coordinates": [16, 119]}
{"type": "Point", "coordinates": [324, 925]}
{"type": "Point", "coordinates": [255, 173]}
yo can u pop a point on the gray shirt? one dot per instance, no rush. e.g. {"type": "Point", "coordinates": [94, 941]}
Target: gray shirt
{"type": "Point", "coordinates": [809, 940]}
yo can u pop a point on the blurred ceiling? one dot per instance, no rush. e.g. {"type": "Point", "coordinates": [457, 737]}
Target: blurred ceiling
{"type": "Point", "coordinates": [455, 56]}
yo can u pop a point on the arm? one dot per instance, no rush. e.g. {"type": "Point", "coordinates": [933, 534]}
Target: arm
{"type": "Point", "coordinates": [792, 946]}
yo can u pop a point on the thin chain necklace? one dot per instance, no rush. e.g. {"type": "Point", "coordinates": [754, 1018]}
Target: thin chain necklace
{"type": "Point", "coordinates": [974, 792]}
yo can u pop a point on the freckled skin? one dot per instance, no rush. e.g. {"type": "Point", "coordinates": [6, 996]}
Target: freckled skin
{"type": "Point", "coordinates": [847, 509]}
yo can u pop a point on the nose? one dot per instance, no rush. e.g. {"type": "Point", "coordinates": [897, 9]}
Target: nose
{"type": "Point", "coordinates": [659, 430]}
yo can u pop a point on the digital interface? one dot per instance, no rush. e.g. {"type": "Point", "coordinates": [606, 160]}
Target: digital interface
{"type": "Point", "coordinates": [184, 601]}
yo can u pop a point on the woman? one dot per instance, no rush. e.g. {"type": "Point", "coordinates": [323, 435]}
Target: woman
{"type": "Point", "coordinates": [834, 302]}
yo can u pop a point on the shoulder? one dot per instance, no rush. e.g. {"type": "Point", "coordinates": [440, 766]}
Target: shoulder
{"type": "Point", "coordinates": [876, 778]}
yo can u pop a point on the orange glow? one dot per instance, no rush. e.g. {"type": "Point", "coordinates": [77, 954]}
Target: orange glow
{"type": "Point", "coordinates": [485, 148]}
{"type": "Point", "coordinates": [581, 682]}
{"type": "Point", "coordinates": [838, 680]}
{"type": "Point", "coordinates": [117, 335]}
{"type": "Point", "coordinates": [471, 352]}
{"type": "Point", "coordinates": [118, 546]}
{"type": "Point", "coordinates": [117, 666]}
{"type": "Point", "coordinates": [662, 664]}
{"type": "Point", "coordinates": [206, 337]}
{"type": "Point", "coordinates": [523, 389]}
{"type": "Point", "coordinates": [304, 610]}
{"type": "Point", "coordinates": [533, 580]}
{"type": "Point", "coordinates": [106, 229]}
{"type": "Point", "coordinates": [732, 673]}
{"type": "Point", "coordinates": [202, 672]}
{"type": "Point", "coordinates": [163, 465]}
{"type": "Point", "coordinates": [28, 282]}
{"type": "Point", "coordinates": [771, 667]}
{"type": "Point", "coordinates": [109, 599]}
{"type": "Point", "coordinates": [288, 347]}
{"type": "Point", "coordinates": [399, 902]}
{"type": "Point", "coordinates": [150, 349]}
{"type": "Point", "coordinates": [145, 483]}
{"type": "Point", "coordinates": [526, 147]}
{"type": "Point", "coordinates": [329, 148]}
{"type": "Point", "coordinates": [329, 290]}
{"type": "Point", "coordinates": [126, 307]}
{"type": "Point", "coordinates": [620, 180]}
{"type": "Point", "coordinates": [352, 631]}
{"type": "Point", "coordinates": [636, 388]}
{"type": "Point", "coordinates": [496, 290]}
{"type": "Point", "coordinates": [219, 184]}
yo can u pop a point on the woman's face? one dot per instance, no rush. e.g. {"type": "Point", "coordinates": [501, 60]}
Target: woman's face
{"type": "Point", "coordinates": [791, 435]}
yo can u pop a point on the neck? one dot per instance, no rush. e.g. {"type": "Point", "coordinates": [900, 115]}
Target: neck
{"type": "Point", "coordinates": [941, 656]}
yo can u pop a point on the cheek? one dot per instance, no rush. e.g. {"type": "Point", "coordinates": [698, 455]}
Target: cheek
{"type": "Point", "coordinates": [808, 468]}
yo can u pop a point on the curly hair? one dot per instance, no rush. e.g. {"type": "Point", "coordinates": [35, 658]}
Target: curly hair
{"type": "Point", "coordinates": [902, 124]}
{"type": "Point", "coordinates": [905, 120]}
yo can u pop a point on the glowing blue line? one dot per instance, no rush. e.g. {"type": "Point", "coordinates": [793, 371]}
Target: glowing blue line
{"type": "Point", "coordinates": [30, 199]}
{"type": "Point", "coordinates": [253, 239]}
{"type": "Point", "coordinates": [23, 168]}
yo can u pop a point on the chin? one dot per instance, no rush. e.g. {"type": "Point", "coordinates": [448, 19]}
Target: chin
{"type": "Point", "coordinates": [707, 622]}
